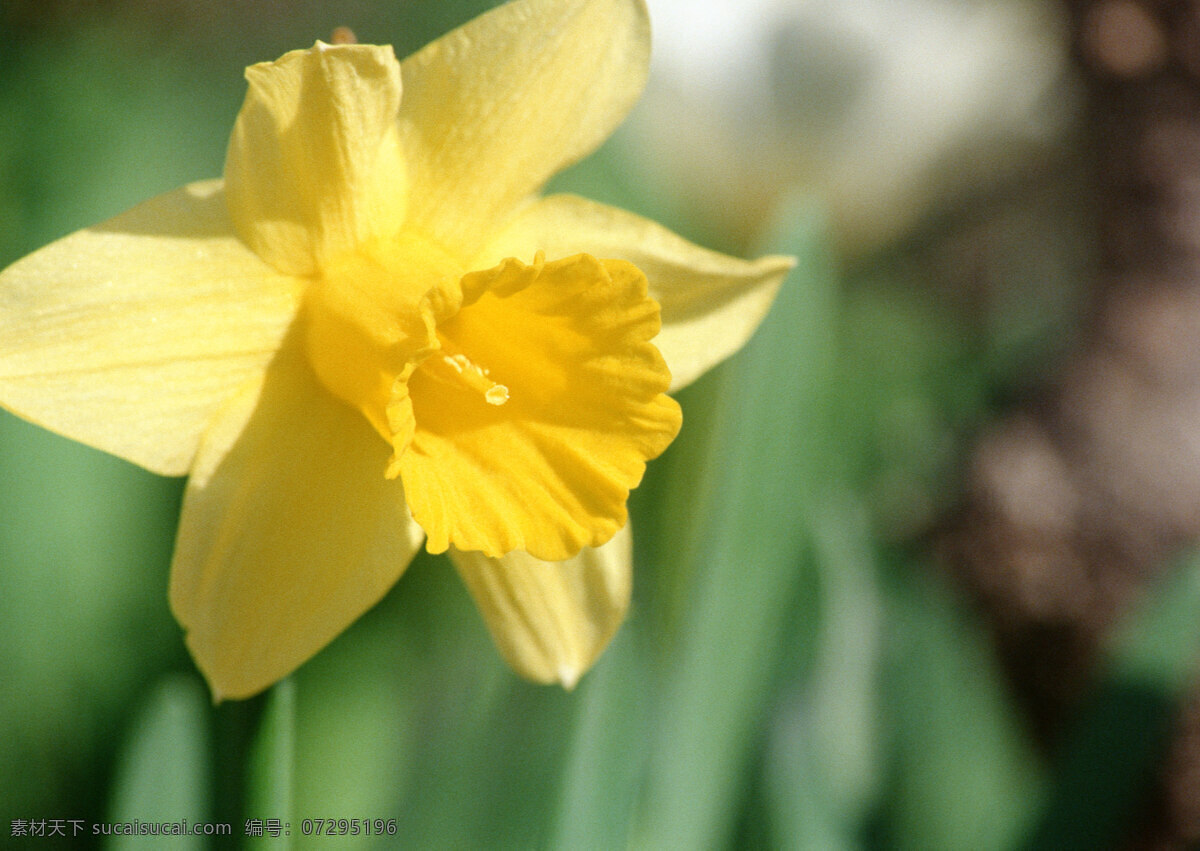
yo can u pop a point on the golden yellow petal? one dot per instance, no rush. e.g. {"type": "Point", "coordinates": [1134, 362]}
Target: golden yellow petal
{"type": "Point", "coordinates": [289, 530]}
{"type": "Point", "coordinates": [314, 167]}
{"type": "Point", "coordinates": [496, 107]}
{"type": "Point", "coordinates": [711, 303]}
{"type": "Point", "coordinates": [546, 465]}
{"type": "Point", "coordinates": [127, 336]}
{"type": "Point", "coordinates": [552, 620]}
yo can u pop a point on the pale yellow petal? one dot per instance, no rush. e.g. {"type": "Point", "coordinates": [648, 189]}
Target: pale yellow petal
{"type": "Point", "coordinates": [128, 335]}
{"type": "Point", "coordinates": [496, 107]}
{"type": "Point", "coordinates": [711, 302]}
{"type": "Point", "coordinates": [552, 620]}
{"type": "Point", "coordinates": [538, 414]}
{"type": "Point", "coordinates": [289, 530]}
{"type": "Point", "coordinates": [314, 167]}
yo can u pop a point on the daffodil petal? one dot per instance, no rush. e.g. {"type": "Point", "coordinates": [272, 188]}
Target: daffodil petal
{"type": "Point", "coordinates": [552, 620]}
{"type": "Point", "coordinates": [289, 530]}
{"type": "Point", "coordinates": [540, 412]}
{"type": "Point", "coordinates": [314, 167]}
{"type": "Point", "coordinates": [494, 108]}
{"type": "Point", "coordinates": [711, 302]}
{"type": "Point", "coordinates": [127, 336]}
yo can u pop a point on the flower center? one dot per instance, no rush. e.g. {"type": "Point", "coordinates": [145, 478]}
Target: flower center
{"type": "Point", "coordinates": [449, 367]}
{"type": "Point", "coordinates": [372, 320]}
{"type": "Point", "coordinates": [541, 455]}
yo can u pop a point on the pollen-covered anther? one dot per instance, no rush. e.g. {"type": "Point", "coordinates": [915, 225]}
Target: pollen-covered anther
{"type": "Point", "coordinates": [474, 376]}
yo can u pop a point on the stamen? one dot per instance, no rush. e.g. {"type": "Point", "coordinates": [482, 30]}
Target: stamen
{"type": "Point", "coordinates": [497, 394]}
{"type": "Point", "coordinates": [343, 35]}
{"type": "Point", "coordinates": [472, 375]}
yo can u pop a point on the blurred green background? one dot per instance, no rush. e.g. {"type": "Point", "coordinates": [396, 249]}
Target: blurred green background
{"type": "Point", "coordinates": [793, 673]}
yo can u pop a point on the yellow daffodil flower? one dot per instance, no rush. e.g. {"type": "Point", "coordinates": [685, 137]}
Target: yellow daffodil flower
{"type": "Point", "coordinates": [373, 332]}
